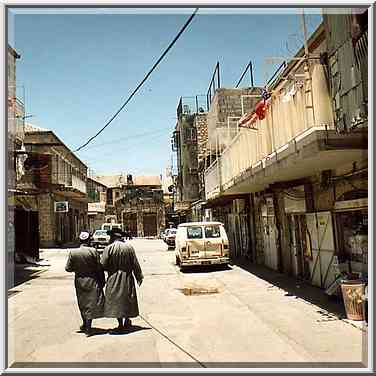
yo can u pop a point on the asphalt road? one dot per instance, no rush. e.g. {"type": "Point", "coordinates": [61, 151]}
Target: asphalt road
{"type": "Point", "coordinates": [212, 317]}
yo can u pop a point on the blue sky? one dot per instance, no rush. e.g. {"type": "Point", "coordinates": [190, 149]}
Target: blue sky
{"type": "Point", "coordinates": [78, 69]}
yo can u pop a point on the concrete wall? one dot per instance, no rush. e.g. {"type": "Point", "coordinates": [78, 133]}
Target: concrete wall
{"type": "Point", "coordinates": [48, 226]}
{"type": "Point", "coordinates": [188, 167]}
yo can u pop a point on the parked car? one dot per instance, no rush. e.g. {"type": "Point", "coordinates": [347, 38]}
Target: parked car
{"type": "Point", "coordinates": [170, 237]}
{"type": "Point", "coordinates": [110, 226]}
{"type": "Point", "coordinates": [100, 238]}
{"type": "Point", "coordinates": [201, 243]}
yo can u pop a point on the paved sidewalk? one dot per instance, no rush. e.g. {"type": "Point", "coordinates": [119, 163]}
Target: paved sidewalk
{"type": "Point", "coordinates": [249, 322]}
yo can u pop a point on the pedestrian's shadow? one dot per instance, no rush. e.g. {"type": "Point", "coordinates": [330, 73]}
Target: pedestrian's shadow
{"type": "Point", "coordinates": [129, 330]}
{"type": "Point", "coordinates": [96, 331]}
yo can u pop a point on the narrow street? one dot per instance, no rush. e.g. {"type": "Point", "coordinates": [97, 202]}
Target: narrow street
{"type": "Point", "coordinates": [237, 319]}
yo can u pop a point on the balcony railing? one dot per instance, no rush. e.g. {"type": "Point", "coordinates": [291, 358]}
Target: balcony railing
{"type": "Point", "coordinates": [290, 118]}
{"type": "Point", "coordinates": [212, 181]}
{"type": "Point", "coordinates": [78, 184]}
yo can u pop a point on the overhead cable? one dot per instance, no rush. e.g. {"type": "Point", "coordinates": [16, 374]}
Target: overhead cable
{"type": "Point", "coordinates": [141, 83]}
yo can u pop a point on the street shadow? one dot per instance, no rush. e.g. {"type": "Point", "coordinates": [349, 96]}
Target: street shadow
{"type": "Point", "coordinates": [98, 331]}
{"type": "Point", "coordinates": [23, 273]}
{"type": "Point", "coordinates": [197, 269]}
{"type": "Point", "coordinates": [296, 289]}
{"type": "Point", "coordinates": [129, 330]}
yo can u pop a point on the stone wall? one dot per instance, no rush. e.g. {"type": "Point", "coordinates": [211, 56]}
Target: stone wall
{"type": "Point", "coordinates": [46, 220]}
{"type": "Point", "coordinates": [225, 105]}
{"type": "Point", "coordinates": [201, 125]}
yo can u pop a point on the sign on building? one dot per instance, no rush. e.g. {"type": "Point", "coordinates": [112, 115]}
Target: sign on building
{"type": "Point", "coordinates": [61, 206]}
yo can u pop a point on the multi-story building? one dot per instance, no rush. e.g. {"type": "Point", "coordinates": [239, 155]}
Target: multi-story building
{"type": "Point", "coordinates": [97, 197]}
{"type": "Point", "coordinates": [190, 143]}
{"type": "Point", "coordinates": [58, 179]}
{"type": "Point", "coordinates": [23, 239]}
{"type": "Point", "coordinates": [282, 184]}
{"type": "Point", "coordinates": [168, 199]}
{"type": "Point", "coordinates": [136, 202]}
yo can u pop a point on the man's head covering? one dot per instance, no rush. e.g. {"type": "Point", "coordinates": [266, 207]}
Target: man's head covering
{"type": "Point", "coordinates": [84, 235]}
{"type": "Point", "coordinates": [116, 233]}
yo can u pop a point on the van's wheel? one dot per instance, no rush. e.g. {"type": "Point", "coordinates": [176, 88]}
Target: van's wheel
{"type": "Point", "coordinates": [177, 260]}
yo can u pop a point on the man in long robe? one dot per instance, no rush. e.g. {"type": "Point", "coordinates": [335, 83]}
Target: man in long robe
{"type": "Point", "coordinates": [120, 261]}
{"type": "Point", "coordinates": [89, 282]}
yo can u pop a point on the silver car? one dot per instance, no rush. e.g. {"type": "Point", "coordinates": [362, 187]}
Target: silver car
{"type": "Point", "coordinates": [100, 239]}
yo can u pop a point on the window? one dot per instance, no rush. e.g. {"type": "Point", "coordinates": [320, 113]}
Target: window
{"type": "Point", "coordinates": [175, 141]}
{"type": "Point", "coordinates": [212, 232]}
{"type": "Point", "coordinates": [101, 232]}
{"type": "Point", "coordinates": [190, 134]}
{"type": "Point", "coordinates": [194, 232]}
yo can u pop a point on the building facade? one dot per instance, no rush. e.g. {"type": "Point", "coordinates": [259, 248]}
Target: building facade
{"type": "Point", "coordinates": [58, 179]}
{"type": "Point", "coordinates": [97, 197]}
{"type": "Point", "coordinates": [282, 185]}
{"type": "Point", "coordinates": [136, 202]}
{"type": "Point", "coordinates": [22, 213]}
{"type": "Point", "coordinates": [190, 142]}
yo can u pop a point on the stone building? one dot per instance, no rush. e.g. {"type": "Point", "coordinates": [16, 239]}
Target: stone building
{"type": "Point", "coordinates": [136, 202]}
{"type": "Point", "coordinates": [292, 188]}
{"type": "Point", "coordinates": [22, 213]}
{"type": "Point", "coordinates": [97, 197]}
{"type": "Point", "coordinates": [190, 142]}
{"type": "Point", "coordinates": [58, 179]}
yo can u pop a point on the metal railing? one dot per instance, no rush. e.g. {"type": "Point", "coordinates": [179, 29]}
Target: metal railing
{"type": "Point", "coordinates": [286, 121]}
{"type": "Point", "coordinates": [250, 68]}
{"type": "Point", "coordinates": [215, 83]}
{"type": "Point", "coordinates": [192, 105]}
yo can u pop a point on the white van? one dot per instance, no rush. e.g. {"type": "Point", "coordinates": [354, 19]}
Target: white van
{"type": "Point", "coordinates": [110, 226]}
{"type": "Point", "coordinates": [201, 243]}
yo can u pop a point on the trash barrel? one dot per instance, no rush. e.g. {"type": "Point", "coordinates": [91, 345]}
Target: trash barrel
{"type": "Point", "coordinates": [353, 292]}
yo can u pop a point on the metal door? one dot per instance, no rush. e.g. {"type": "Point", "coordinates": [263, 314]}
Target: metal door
{"type": "Point", "coordinates": [150, 224]}
{"type": "Point", "coordinates": [270, 245]}
{"type": "Point", "coordinates": [298, 232]}
{"type": "Point", "coordinates": [320, 241]}
{"type": "Point", "coordinates": [130, 223]}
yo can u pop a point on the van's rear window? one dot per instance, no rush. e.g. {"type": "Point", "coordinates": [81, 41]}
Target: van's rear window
{"type": "Point", "coordinates": [194, 232]}
{"type": "Point", "coordinates": [212, 232]}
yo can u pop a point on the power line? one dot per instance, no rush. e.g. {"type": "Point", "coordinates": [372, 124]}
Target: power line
{"type": "Point", "coordinates": [131, 137]}
{"type": "Point", "coordinates": [127, 148]}
{"type": "Point", "coordinates": [142, 82]}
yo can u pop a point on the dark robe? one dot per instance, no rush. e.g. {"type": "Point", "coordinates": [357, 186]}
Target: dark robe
{"type": "Point", "coordinates": [89, 281]}
{"type": "Point", "coordinates": [120, 261]}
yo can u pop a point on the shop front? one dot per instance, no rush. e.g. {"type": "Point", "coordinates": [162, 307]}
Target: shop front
{"type": "Point", "coordinates": [351, 222]}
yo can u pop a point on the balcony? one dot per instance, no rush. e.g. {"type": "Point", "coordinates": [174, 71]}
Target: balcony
{"type": "Point", "coordinates": [296, 139]}
{"type": "Point", "coordinates": [78, 184]}
{"type": "Point", "coordinates": [212, 182]}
